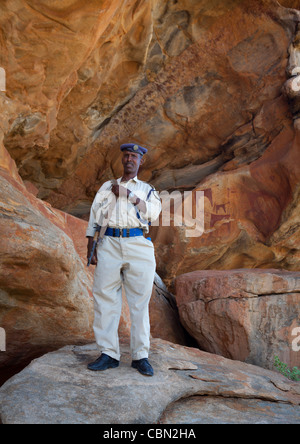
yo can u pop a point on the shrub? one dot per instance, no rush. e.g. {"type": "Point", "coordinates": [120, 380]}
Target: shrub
{"type": "Point", "coordinates": [293, 375]}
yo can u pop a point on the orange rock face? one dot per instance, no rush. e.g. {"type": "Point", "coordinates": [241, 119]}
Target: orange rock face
{"type": "Point", "coordinates": [250, 219]}
{"type": "Point", "coordinates": [200, 84]}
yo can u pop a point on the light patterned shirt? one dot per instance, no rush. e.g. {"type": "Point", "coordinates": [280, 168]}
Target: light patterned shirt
{"type": "Point", "coordinates": [124, 213]}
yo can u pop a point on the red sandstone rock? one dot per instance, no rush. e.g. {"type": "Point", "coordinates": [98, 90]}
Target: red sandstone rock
{"type": "Point", "coordinates": [250, 217]}
{"type": "Point", "coordinates": [45, 289]}
{"type": "Point", "coordinates": [164, 317]}
{"type": "Point", "coordinates": [245, 315]}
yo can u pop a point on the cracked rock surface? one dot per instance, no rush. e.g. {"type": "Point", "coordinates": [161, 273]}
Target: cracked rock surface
{"type": "Point", "coordinates": [57, 388]}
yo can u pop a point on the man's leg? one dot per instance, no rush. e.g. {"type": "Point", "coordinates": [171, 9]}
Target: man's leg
{"type": "Point", "coordinates": [138, 272]}
{"type": "Point", "coordinates": [107, 292]}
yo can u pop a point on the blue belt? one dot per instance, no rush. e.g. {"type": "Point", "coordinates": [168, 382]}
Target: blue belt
{"type": "Point", "coordinates": [124, 232]}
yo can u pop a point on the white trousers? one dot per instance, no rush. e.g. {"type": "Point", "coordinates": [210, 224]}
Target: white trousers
{"type": "Point", "coordinates": [129, 262]}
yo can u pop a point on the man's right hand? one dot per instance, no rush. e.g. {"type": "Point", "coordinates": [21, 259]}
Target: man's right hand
{"type": "Point", "coordinates": [89, 251]}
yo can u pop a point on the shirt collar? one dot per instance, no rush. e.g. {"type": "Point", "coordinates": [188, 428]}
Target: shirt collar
{"type": "Point", "coordinates": [135, 179]}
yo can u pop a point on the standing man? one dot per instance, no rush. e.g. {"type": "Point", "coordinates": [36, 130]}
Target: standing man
{"type": "Point", "coordinates": [124, 257]}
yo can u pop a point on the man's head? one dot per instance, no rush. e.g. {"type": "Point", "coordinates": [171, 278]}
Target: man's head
{"type": "Point", "coordinates": [132, 158]}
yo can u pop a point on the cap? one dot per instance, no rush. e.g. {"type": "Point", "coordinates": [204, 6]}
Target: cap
{"type": "Point", "coordinates": [134, 148]}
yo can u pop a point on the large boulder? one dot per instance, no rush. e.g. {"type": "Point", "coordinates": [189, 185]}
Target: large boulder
{"type": "Point", "coordinates": [189, 386]}
{"type": "Point", "coordinates": [45, 290]}
{"type": "Point", "coordinates": [246, 315]}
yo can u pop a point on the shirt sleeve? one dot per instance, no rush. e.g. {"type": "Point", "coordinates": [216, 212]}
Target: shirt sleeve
{"type": "Point", "coordinates": [153, 207]}
{"type": "Point", "coordinates": [99, 202]}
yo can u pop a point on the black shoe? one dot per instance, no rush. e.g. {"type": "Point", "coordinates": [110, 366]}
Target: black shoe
{"type": "Point", "coordinates": [103, 363]}
{"type": "Point", "coordinates": [143, 366]}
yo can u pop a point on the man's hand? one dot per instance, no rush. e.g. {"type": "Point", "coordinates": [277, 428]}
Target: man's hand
{"type": "Point", "coordinates": [118, 190]}
{"type": "Point", "coordinates": [89, 251]}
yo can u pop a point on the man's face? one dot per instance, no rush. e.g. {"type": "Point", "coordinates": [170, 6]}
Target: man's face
{"type": "Point", "coordinates": [131, 162]}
